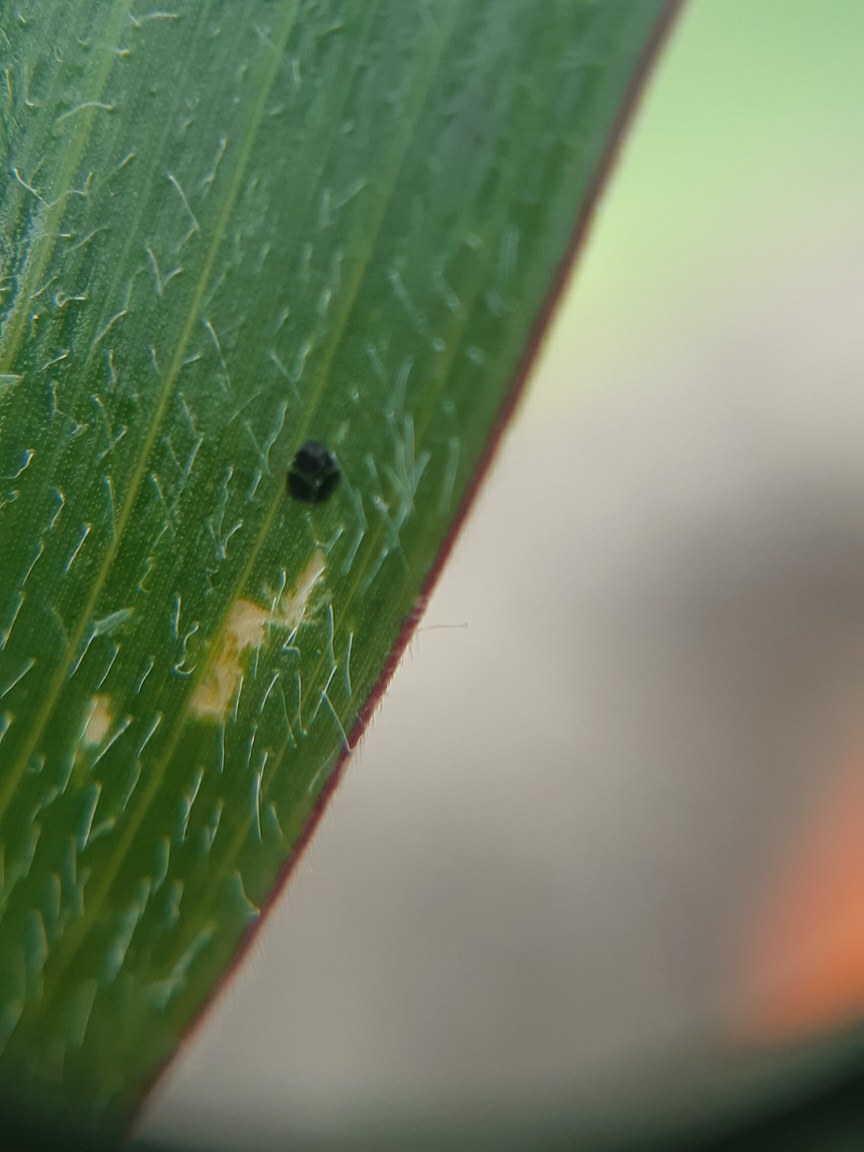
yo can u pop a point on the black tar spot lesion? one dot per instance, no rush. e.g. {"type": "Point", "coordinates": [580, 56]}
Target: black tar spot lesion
{"type": "Point", "coordinates": [314, 473]}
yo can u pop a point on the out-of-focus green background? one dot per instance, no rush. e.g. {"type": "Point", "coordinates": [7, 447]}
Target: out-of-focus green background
{"type": "Point", "coordinates": [749, 138]}
{"type": "Point", "coordinates": [478, 918]}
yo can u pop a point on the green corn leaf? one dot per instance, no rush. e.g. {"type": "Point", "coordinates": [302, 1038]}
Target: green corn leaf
{"type": "Point", "coordinates": [227, 228]}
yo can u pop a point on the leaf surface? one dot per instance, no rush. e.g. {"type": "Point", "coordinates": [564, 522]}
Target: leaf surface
{"type": "Point", "coordinates": [229, 227]}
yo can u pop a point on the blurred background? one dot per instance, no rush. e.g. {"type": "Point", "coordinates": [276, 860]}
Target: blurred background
{"type": "Point", "coordinates": [598, 851]}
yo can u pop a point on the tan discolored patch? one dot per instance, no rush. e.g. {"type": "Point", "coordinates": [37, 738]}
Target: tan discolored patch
{"type": "Point", "coordinates": [98, 722]}
{"type": "Point", "coordinates": [245, 630]}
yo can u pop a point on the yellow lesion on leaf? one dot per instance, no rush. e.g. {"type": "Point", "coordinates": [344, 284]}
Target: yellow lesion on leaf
{"type": "Point", "coordinates": [245, 630]}
{"type": "Point", "coordinates": [98, 722]}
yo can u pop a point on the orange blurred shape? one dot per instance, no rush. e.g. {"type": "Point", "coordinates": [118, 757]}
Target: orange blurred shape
{"type": "Point", "coordinates": [800, 970]}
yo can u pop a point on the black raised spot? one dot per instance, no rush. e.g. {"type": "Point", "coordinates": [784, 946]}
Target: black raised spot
{"type": "Point", "coordinates": [314, 473]}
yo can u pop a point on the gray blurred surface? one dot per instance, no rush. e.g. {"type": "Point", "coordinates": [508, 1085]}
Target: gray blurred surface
{"type": "Point", "coordinates": [645, 654]}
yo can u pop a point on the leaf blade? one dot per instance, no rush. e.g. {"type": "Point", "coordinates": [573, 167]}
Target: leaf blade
{"type": "Point", "coordinates": [308, 221]}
